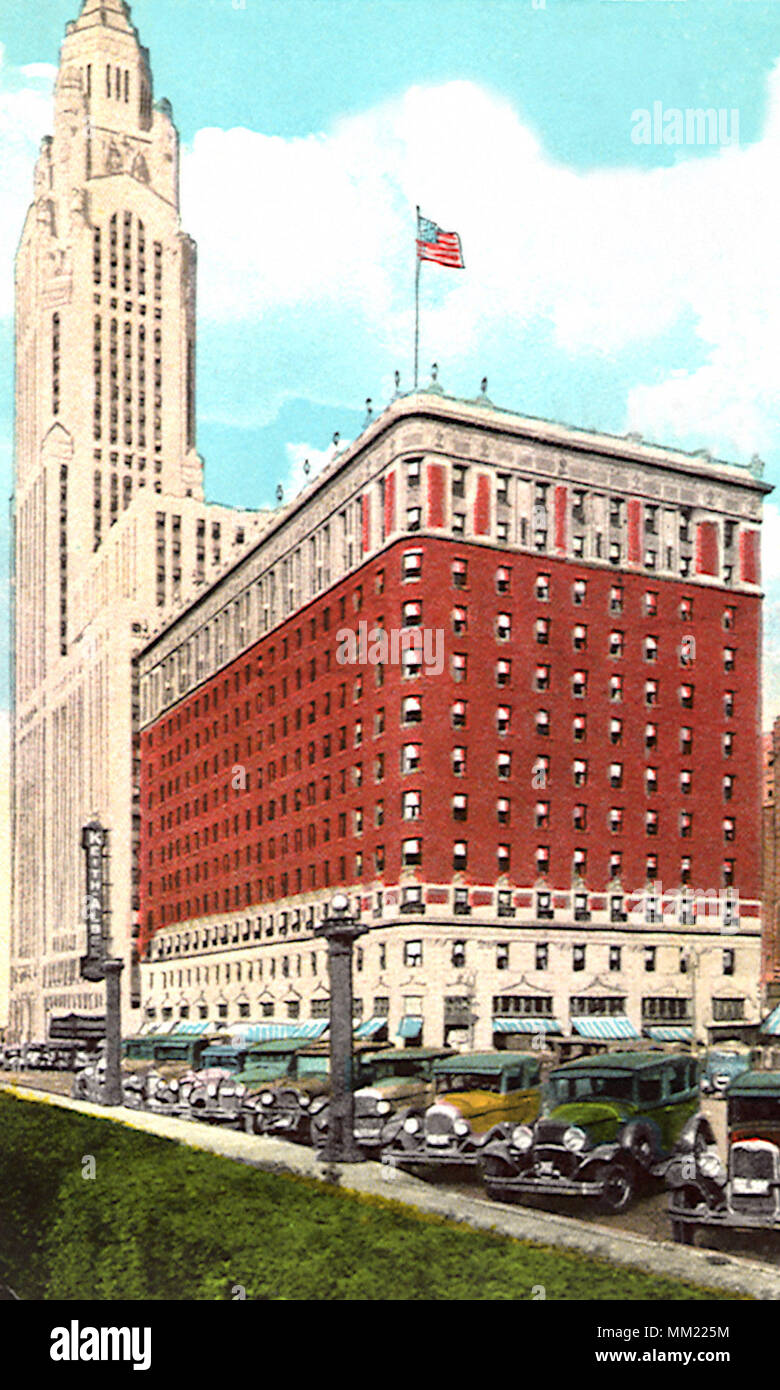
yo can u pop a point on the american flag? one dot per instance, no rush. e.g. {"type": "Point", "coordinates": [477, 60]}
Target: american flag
{"type": "Point", "coordinates": [435, 245]}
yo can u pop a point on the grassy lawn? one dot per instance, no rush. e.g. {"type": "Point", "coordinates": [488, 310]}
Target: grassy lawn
{"type": "Point", "coordinates": [161, 1221]}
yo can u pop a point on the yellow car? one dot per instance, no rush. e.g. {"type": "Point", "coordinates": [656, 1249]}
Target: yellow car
{"type": "Point", "coordinates": [475, 1093]}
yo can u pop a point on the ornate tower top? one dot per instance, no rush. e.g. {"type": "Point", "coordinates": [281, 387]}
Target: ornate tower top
{"type": "Point", "coordinates": [103, 53]}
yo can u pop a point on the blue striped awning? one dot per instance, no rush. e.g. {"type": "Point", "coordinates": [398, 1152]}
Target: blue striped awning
{"type": "Point", "coordinates": [277, 1032]}
{"type": "Point", "coordinates": [190, 1030]}
{"type": "Point", "coordinates": [369, 1027]}
{"type": "Point", "coordinates": [771, 1025]}
{"type": "Point", "coordinates": [410, 1027]}
{"type": "Point", "coordinates": [604, 1026]}
{"type": "Point", "coordinates": [526, 1025]}
{"type": "Point", "coordinates": [670, 1033]}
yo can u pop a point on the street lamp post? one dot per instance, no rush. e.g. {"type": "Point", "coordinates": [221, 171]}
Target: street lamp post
{"type": "Point", "coordinates": [340, 929]}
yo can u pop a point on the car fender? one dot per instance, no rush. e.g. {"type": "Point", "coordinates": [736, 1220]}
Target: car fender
{"type": "Point", "coordinates": [603, 1153]}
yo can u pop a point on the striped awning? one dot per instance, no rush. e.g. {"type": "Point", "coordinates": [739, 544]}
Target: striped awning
{"type": "Point", "coordinates": [604, 1026]}
{"type": "Point", "coordinates": [526, 1025]}
{"type": "Point", "coordinates": [190, 1030]}
{"type": "Point", "coordinates": [277, 1032]}
{"type": "Point", "coordinates": [771, 1025]}
{"type": "Point", "coordinates": [369, 1027]}
{"type": "Point", "coordinates": [670, 1033]}
{"type": "Point", "coordinates": [410, 1027]}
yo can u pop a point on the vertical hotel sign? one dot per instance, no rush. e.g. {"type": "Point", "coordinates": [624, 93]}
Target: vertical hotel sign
{"type": "Point", "coordinates": [93, 842]}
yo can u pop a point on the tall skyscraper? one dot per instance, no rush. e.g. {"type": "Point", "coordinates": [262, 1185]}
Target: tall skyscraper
{"type": "Point", "coordinates": [110, 526]}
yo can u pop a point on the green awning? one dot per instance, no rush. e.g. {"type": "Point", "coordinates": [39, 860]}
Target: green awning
{"type": "Point", "coordinates": [771, 1025]}
{"type": "Point", "coordinates": [605, 1026]}
{"type": "Point", "coordinates": [369, 1027]}
{"type": "Point", "coordinates": [670, 1033]}
{"type": "Point", "coordinates": [410, 1027]}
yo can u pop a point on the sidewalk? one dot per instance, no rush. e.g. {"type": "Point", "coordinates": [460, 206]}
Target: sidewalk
{"type": "Point", "coordinates": [709, 1268]}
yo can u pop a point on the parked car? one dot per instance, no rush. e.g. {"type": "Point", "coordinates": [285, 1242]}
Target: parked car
{"type": "Point", "coordinates": [475, 1093]}
{"type": "Point", "coordinates": [607, 1124]}
{"type": "Point", "coordinates": [296, 1105]}
{"type": "Point", "coordinates": [391, 1085]}
{"type": "Point", "coordinates": [721, 1065]}
{"type": "Point", "coordinates": [168, 1088]}
{"type": "Point", "coordinates": [745, 1194]}
{"type": "Point", "coordinates": [217, 1097]}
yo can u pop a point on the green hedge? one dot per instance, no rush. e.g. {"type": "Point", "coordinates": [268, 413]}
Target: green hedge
{"type": "Point", "coordinates": [161, 1221]}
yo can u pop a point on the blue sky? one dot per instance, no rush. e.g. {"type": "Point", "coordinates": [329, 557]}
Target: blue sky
{"type": "Point", "coordinates": [608, 283]}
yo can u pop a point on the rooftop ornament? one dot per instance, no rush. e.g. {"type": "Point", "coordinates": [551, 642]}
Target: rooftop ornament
{"type": "Point", "coordinates": [369, 412]}
{"type": "Point", "coordinates": [434, 383]}
{"type": "Point", "coordinates": [279, 493]}
{"type": "Point", "coordinates": [757, 466]}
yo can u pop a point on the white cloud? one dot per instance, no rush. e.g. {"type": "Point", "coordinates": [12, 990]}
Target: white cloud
{"type": "Point", "coordinates": [610, 259]}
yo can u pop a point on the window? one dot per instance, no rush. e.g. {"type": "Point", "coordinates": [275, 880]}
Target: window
{"type": "Point", "coordinates": [413, 953]}
{"type": "Point", "coordinates": [728, 704]}
{"type": "Point", "coordinates": [503, 765]}
{"type": "Point", "coordinates": [503, 627]}
{"type": "Point", "coordinates": [729, 619]}
{"type": "Point", "coordinates": [686, 696]}
{"type": "Point", "coordinates": [579, 591]}
{"type": "Point", "coordinates": [651, 648]}
{"type": "Point", "coordinates": [649, 955]}
{"type": "Point", "coordinates": [579, 684]}
{"type": "Point", "coordinates": [503, 672]}
{"type": "Point", "coordinates": [616, 599]}
{"type": "Point", "coordinates": [411, 803]}
{"type": "Point", "coordinates": [412, 900]}
{"type": "Point", "coordinates": [459, 621]}
{"type": "Point", "coordinates": [542, 678]}
{"type": "Point", "coordinates": [502, 955]}
{"type": "Point", "coordinates": [651, 692]}
{"type": "Point", "coordinates": [459, 762]}
{"type": "Point", "coordinates": [686, 780]}
{"type": "Point", "coordinates": [542, 630]}
{"type": "Point", "coordinates": [728, 788]}
{"type": "Point", "coordinates": [502, 580]}
{"type": "Point", "coordinates": [728, 745]}
{"type": "Point", "coordinates": [580, 772]}
{"type": "Point", "coordinates": [616, 774]}
{"type": "Point", "coordinates": [616, 819]}
{"type": "Point", "coordinates": [686, 740]}
{"type": "Point", "coordinates": [686, 610]}
{"type": "Point", "coordinates": [651, 780]}
{"type": "Point", "coordinates": [581, 909]}
{"type": "Point", "coordinates": [651, 822]}
{"type": "Point", "coordinates": [411, 710]}
{"type": "Point", "coordinates": [542, 859]}
{"type": "Point", "coordinates": [651, 735]}
{"type": "Point", "coordinates": [615, 957]}
{"type": "Point", "coordinates": [543, 588]}
{"type": "Point", "coordinates": [578, 957]}
{"type": "Point", "coordinates": [459, 854]}
{"type": "Point", "coordinates": [412, 613]}
{"type": "Point", "coordinates": [617, 912]}
{"type": "Point", "coordinates": [411, 852]}
{"type": "Point", "coordinates": [615, 730]}
{"type": "Point", "coordinates": [458, 666]}
{"type": "Point", "coordinates": [651, 603]}
{"type": "Point", "coordinates": [580, 637]}
{"type": "Point", "coordinates": [728, 1010]}
{"type": "Point", "coordinates": [616, 643]}
{"type": "Point", "coordinates": [542, 722]}
{"type": "Point", "coordinates": [410, 757]}
{"type": "Point", "coordinates": [686, 825]}
{"type": "Point", "coordinates": [541, 955]}
{"type": "Point", "coordinates": [412, 564]}
{"type": "Point", "coordinates": [579, 728]}
{"type": "Point", "coordinates": [544, 907]}
{"type": "Point", "coordinates": [729, 658]}
{"type": "Point", "coordinates": [729, 828]}
{"type": "Point", "coordinates": [505, 908]}
{"type": "Point", "coordinates": [458, 714]}
{"type": "Point", "coordinates": [460, 806]}
{"type": "Point", "coordinates": [458, 957]}
{"type": "Point", "coordinates": [459, 573]}
{"type": "Point", "coordinates": [616, 689]}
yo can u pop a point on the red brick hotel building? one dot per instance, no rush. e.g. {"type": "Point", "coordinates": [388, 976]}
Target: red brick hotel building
{"type": "Point", "coordinates": [547, 808]}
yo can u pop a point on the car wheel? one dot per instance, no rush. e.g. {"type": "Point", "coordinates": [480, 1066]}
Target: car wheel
{"type": "Point", "coordinates": [619, 1187]}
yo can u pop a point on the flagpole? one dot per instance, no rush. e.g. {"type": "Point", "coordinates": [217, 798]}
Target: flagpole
{"type": "Point", "coordinates": [416, 297]}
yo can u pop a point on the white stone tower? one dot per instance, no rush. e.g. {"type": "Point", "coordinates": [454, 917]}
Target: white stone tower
{"type": "Point", "coordinates": [110, 526]}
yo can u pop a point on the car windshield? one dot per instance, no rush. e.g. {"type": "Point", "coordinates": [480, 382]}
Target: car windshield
{"type": "Point", "coordinates": [312, 1066]}
{"type": "Point", "coordinates": [591, 1087]}
{"type": "Point", "coordinates": [381, 1070]}
{"type": "Point", "coordinates": [754, 1110]}
{"type": "Point", "coordinates": [467, 1081]}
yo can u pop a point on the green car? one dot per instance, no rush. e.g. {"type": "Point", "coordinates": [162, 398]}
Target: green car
{"type": "Point", "coordinates": [608, 1124]}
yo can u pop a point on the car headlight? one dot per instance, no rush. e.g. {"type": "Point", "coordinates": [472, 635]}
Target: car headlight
{"type": "Point", "coordinates": [267, 1098]}
{"type": "Point", "coordinates": [211, 1089]}
{"type": "Point", "coordinates": [89, 1071]}
{"type": "Point", "coordinates": [461, 1128]}
{"type": "Point", "coordinates": [318, 1105]}
{"type": "Point", "coordinates": [174, 1085]}
{"type": "Point", "coordinates": [383, 1107]}
{"type": "Point", "coordinates": [305, 1101]}
{"type": "Point", "coordinates": [522, 1138]}
{"type": "Point", "coordinates": [228, 1090]}
{"type": "Point", "coordinates": [411, 1124]}
{"type": "Point", "coordinates": [240, 1089]}
{"type": "Point", "coordinates": [710, 1164]}
{"type": "Point", "coordinates": [574, 1139]}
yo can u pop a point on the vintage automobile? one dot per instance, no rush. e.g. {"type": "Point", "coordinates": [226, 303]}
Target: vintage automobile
{"type": "Point", "coordinates": [608, 1123]}
{"type": "Point", "coordinates": [746, 1194]}
{"type": "Point", "coordinates": [475, 1093]}
{"type": "Point", "coordinates": [721, 1065]}
{"type": "Point", "coordinates": [391, 1085]}
{"type": "Point", "coordinates": [168, 1088]}
{"type": "Point", "coordinates": [292, 1105]}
